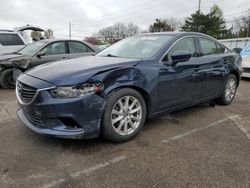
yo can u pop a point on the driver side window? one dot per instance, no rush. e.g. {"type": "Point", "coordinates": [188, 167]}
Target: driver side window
{"type": "Point", "coordinates": [55, 48]}
{"type": "Point", "coordinates": [186, 44]}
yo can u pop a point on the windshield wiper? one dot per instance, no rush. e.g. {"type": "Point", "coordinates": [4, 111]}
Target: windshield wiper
{"type": "Point", "coordinates": [17, 53]}
{"type": "Point", "coordinates": [111, 55]}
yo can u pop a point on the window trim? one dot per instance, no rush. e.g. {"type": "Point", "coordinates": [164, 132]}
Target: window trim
{"type": "Point", "coordinates": [188, 36]}
{"type": "Point", "coordinates": [213, 40]}
{"type": "Point", "coordinates": [198, 41]}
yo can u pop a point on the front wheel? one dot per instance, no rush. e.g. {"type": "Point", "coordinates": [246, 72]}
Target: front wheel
{"type": "Point", "coordinates": [124, 115]}
{"type": "Point", "coordinates": [6, 79]}
{"type": "Point", "coordinates": [229, 91]}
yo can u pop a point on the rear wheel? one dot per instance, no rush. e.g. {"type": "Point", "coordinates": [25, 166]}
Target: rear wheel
{"type": "Point", "coordinates": [229, 91]}
{"type": "Point", "coordinates": [6, 79]}
{"type": "Point", "coordinates": [124, 115]}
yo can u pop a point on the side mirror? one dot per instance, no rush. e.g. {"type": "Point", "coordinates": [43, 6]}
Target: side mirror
{"type": "Point", "coordinates": [180, 56]}
{"type": "Point", "coordinates": [40, 54]}
{"type": "Point", "coordinates": [237, 50]}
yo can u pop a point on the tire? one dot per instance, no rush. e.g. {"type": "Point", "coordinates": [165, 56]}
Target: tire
{"type": "Point", "coordinates": [116, 108]}
{"type": "Point", "coordinates": [229, 91]}
{"type": "Point", "coordinates": [6, 79]}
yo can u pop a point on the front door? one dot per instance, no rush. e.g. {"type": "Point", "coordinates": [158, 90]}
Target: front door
{"type": "Point", "coordinates": [52, 52]}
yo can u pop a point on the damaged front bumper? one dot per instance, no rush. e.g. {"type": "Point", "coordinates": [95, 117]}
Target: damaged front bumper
{"type": "Point", "coordinates": [74, 118]}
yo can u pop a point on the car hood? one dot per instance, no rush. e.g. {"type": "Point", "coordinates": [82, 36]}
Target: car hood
{"type": "Point", "coordinates": [75, 71]}
{"type": "Point", "coordinates": [11, 56]}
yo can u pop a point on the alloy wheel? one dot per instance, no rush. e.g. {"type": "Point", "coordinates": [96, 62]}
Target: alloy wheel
{"type": "Point", "coordinates": [126, 115]}
{"type": "Point", "coordinates": [230, 89]}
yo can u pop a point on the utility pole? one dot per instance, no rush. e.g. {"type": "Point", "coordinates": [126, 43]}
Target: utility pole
{"type": "Point", "coordinates": [69, 30]}
{"type": "Point", "coordinates": [248, 26]}
{"type": "Point", "coordinates": [199, 6]}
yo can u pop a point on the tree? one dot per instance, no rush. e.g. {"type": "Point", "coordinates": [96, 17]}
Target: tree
{"type": "Point", "coordinates": [36, 35]}
{"type": "Point", "coordinates": [160, 26]}
{"type": "Point", "coordinates": [48, 34]}
{"type": "Point", "coordinates": [241, 25]}
{"type": "Point", "coordinates": [132, 29]}
{"type": "Point", "coordinates": [212, 23]}
{"type": "Point", "coordinates": [93, 40]}
{"type": "Point", "coordinates": [117, 32]}
{"type": "Point", "coordinates": [174, 23]}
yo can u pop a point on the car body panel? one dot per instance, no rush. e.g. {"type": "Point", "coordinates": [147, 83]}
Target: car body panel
{"type": "Point", "coordinates": [34, 116]}
{"type": "Point", "coordinates": [82, 69]}
{"type": "Point", "coordinates": [246, 66]}
{"type": "Point", "coordinates": [245, 53]}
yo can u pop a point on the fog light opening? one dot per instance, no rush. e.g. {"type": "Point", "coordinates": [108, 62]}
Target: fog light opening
{"type": "Point", "coordinates": [68, 122]}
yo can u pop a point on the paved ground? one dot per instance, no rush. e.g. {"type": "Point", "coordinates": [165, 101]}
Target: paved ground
{"type": "Point", "coordinates": [201, 146]}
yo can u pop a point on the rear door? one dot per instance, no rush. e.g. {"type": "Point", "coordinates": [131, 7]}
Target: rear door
{"type": "Point", "coordinates": [78, 49]}
{"type": "Point", "coordinates": [52, 52]}
{"type": "Point", "coordinates": [180, 84]}
{"type": "Point", "coordinates": [214, 64]}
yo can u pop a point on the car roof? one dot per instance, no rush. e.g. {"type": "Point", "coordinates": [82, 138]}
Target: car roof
{"type": "Point", "coordinates": [96, 49]}
{"type": "Point", "coordinates": [177, 34]}
{"type": "Point", "coordinates": [7, 31]}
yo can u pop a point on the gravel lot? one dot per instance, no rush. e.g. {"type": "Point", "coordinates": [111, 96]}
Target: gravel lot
{"type": "Point", "coordinates": [202, 146]}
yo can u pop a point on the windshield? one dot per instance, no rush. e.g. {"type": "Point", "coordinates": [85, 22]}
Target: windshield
{"type": "Point", "coordinates": [31, 49]}
{"type": "Point", "coordinates": [138, 47]}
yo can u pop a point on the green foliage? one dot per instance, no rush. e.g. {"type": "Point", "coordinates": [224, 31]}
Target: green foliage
{"type": "Point", "coordinates": [212, 23]}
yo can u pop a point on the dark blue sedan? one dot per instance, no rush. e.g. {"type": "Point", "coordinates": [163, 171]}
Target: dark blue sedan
{"type": "Point", "coordinates": [114, 92]}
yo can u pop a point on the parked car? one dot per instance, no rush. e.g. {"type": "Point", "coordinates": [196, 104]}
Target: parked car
{"type": "Point", "coordinates": [13, 40]}
{"type": "Point", "coordinates": [114, 92]}
{"type": "Point", "coordinates": [38, 53]}
{"type": "Point", "coordinates": [245, 53]}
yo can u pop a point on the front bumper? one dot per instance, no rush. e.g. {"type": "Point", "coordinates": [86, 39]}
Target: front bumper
{"type": "Point", "coordinates": [245, 75]}
{"type": "Point", "coordinates": [246, 72]}
{"type": "Point", "coordinates": [66, 118]}
{"type": "Point", "coordinates": [63, 133]}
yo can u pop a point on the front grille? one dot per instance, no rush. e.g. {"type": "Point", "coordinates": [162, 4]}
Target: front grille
{"type": "Point", "coordinates": [33, 119]}
{"type": "Point", "coordinates": [25, 92]}
{"type": "Point", "coordinates": [246, 70]}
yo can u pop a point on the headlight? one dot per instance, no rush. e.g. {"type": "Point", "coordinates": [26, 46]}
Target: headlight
{"type": "Point", "coordinates": [24, 63]}
{"type": "Point", "coordinates": [76, 91]}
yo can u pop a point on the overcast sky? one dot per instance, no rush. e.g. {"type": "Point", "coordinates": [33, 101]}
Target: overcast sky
{"type": "Point", "coordinates": [88, 16]}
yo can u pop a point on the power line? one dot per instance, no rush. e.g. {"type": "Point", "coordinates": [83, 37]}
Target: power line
{"type": "Point", "coordinates": [132, 14]}
{"type": "Point", "coordinates": [127, 10]}
{"type": "Point", "coordinates": [226, 15]}
{"type": "Point", "coordinates": [140, 15]}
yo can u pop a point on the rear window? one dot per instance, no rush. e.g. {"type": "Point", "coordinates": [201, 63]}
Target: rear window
{"type": "Point", "coordinates": [10, 39]}
{"type": "Point", "coordinates": [209, 47]}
